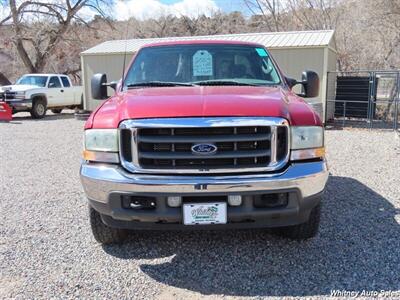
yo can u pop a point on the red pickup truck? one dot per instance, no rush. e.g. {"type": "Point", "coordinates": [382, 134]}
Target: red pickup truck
{"type": "Point", "coordinates": [204, 135]}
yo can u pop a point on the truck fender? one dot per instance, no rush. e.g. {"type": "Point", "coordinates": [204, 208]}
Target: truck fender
{"type": "Point", "coordinates": [39, 95]}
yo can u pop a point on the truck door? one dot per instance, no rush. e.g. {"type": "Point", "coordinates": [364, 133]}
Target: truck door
{"type": "Point", "coordinates": [55, 93]}
{"type": "Point", "coordinates": [68, 91]}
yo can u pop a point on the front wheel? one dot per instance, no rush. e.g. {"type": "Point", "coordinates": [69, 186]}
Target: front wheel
{"type": "Point", "coordinates": [39, 108]}
{"type": "Point", "coordinates": [303, 231]}
{"type": "Point", "coordinates": [103, 233]}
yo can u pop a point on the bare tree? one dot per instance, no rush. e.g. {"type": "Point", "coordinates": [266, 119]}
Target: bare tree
{"type": "Point", "coordinates": [271, 10]}
{"type": "Point", "coordinates": [390, 33]}
{"type": "Point", "coordinates": [315, 14]}
{"type": "Point", "coordinates": [190, 24]}
{"type": "Point", "coordinates": [161, 26]}
{"type": "Point", "coordinates": [40, 26]}
{"type": "Point", "coordinates": [4, 80]}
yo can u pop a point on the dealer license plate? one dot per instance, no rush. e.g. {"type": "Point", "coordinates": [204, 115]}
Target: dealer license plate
{"type": "Point", "coordinates": [204, 213]}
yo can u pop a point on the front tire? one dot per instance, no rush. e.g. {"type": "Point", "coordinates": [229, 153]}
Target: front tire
{"type": "Point", "coordinates": [39, 109]}
{"type": "Point", "coordinates": [103, 233]}
{"type": "Point", "coordinates": [303, 231]}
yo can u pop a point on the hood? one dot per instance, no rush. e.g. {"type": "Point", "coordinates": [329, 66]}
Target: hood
{"type": "Point", "coordinates": [203, 101]}
{"type": "Point", "coordinates": [18, 87]}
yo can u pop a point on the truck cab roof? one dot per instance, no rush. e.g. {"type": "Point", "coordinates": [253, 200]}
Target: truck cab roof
{"type": "Point", "coordinates": [201, 42]}
{"type": "Point", "coordinates": [44, 74]}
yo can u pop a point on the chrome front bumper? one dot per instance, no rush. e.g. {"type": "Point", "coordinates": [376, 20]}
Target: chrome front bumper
{"type": "Point", "coordinates": [20, 104]}
{"type": "Point", "coordinates": [101, 180]}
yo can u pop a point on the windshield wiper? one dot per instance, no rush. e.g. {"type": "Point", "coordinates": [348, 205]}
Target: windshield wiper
{"type": "Point", "coordinates": [224, 82]}
{"type": "Point", "coordinates": [158, 83]}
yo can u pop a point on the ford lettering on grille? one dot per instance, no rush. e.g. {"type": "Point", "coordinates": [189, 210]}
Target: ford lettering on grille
{"type": "Point", "coordinates": [204, 149]}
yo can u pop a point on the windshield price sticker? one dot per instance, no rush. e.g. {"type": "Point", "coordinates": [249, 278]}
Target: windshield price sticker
{"type": "Point", "coordinates": [202, 63]}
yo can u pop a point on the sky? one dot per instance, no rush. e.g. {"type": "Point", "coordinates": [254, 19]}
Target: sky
{"type": "Point", "coordinates": [145, 9]}
{"type": "Point", "coordinates": [225, 5]}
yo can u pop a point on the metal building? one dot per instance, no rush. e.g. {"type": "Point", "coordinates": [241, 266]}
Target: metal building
{"type": "Point", "coordinates": [294, 51]}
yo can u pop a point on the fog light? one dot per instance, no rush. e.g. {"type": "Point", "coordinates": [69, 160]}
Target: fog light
{"type": "Point", "coordinates": [271, 200]}
{"type": "Point", "coordinates": [138, 202]}
{"type": "Point", "coordinates": [174, 201]}
{"type": "Point", "coordinates": [234, 200]}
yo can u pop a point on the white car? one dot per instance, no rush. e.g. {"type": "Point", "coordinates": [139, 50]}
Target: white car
{"type": "Point", "coordinates": [38, 92]}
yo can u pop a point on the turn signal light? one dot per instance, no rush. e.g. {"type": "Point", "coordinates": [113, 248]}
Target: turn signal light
{"type": "Point", "coordinates": [109, 157]}
{"type": "Point", "coordinates": [307, 153]}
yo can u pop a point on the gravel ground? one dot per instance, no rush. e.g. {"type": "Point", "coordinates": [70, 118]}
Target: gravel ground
{"type": "Point", "coordinates": [47, 250]}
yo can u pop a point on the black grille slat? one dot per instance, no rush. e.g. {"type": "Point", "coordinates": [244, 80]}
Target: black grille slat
{"type": "Point", "coordinates": [203, 139]}
{"type": "Point", "coordinates": [126, 145]}
{"type": "Point", "coordinates": [209, 163]}
{"type": "Point", "coordinates": [226, 154]}
{"type": "Point", "coordinates": [209, 131]}
{"type": "Point", "coordinates": [281, 143]}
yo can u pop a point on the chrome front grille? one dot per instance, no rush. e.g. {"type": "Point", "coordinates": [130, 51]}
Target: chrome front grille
{"type": "Point", "coordinates": [7, 95]}
{"type": "Point", "coordinates": [243, 145]}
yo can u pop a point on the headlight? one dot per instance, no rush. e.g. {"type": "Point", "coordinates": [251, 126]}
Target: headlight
{"type": "Point", "coordinates": [20, 95]}
{"type": "Point", "coordinates": [307, 142]}
{"type": "Point", "coordinates": [101, 140]}
{"type": "Point", "coordinates": [101, 145]}
{"type": "Point", "coordinates": [307, 137]}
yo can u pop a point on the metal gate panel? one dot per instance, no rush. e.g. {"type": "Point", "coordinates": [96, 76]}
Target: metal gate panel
{"type": "Point", "coordinates": [352, 92]}
{"type": "Point", "coordinates": [363, 98]}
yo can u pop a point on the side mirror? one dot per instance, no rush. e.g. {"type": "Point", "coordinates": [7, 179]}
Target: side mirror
{"type": "Point", "coordinates": [99, 87]}
{"type": "Point", "coordinates": [51, 84]}
{"type": "Point", "coordinates": [291, 82]}
{"type": "Point", "coordinates": [310, 82]}
{"type": "Point", "coordinates": [113, 85]}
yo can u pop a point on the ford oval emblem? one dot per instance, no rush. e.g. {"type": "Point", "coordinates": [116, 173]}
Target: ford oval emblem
{"type": "Point", "coordinates": [204, 149]}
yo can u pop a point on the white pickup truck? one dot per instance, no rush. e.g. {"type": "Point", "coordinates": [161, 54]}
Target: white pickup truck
{"type": "Point", "coordinates": [36, 93]}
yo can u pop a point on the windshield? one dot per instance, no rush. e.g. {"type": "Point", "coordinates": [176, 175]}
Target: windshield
{"type": "Point", "coordinates": [33, 80]}
{"type": "Point", "coordinates": [202, 64]}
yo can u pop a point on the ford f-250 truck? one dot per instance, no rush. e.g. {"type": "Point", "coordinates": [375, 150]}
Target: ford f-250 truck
{"type": "Point", "coordinates": [35, 93]}
{"type": "Point", "coordinates": [204, 135]}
